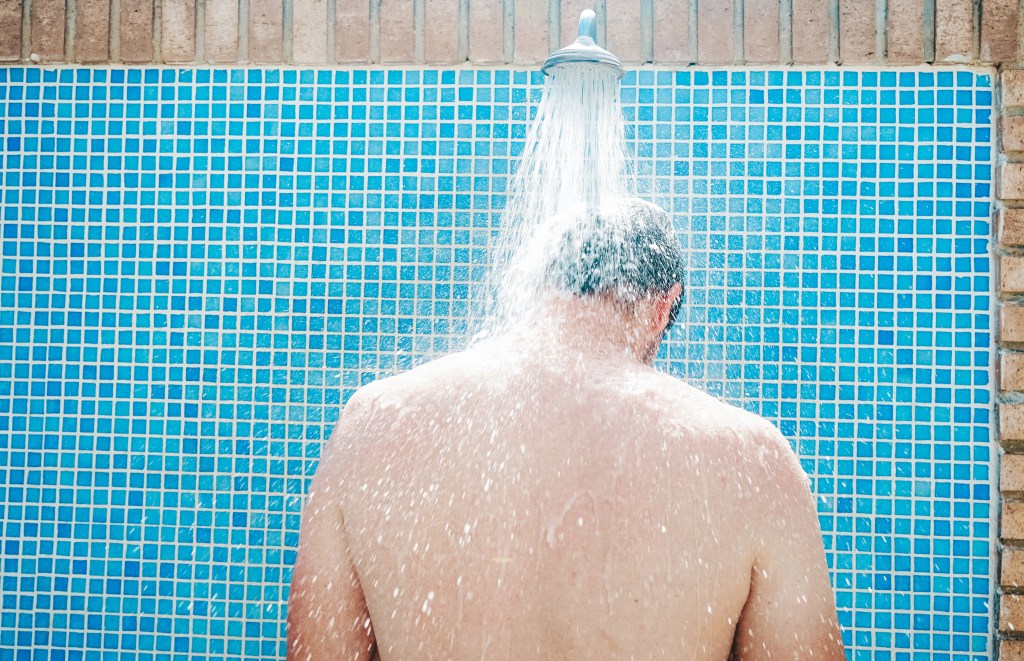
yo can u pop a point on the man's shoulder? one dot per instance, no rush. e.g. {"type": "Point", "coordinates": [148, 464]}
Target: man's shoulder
{"type": "Point", "coordinates": [692, 404]}
{"type": "Point", "coordinates": [742, 443]}
{"type": "Point", "coordinates": [734, 429]}
{"type": "Point", "coordinates": [380, 405]}
{"type": "Point", "coordinates": [432, 378]}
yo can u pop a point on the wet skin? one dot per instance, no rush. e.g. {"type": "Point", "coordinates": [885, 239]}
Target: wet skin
{"type": "Point", "coordinates": [557, 500]}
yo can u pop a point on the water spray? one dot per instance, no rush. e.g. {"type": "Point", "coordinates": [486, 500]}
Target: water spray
{"type": "Point", "coordinates": [574, 161]}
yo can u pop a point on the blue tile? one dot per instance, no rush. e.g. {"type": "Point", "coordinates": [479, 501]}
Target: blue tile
{"type": "Point", "coordinates": [199, 266]}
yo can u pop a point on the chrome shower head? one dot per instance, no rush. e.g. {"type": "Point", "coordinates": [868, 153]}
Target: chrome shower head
{"type": "Point", "coordinates": [584, 50]}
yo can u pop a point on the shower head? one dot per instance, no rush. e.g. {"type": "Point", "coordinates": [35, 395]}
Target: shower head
{"type": "Point", "coordinates": [584, 50]}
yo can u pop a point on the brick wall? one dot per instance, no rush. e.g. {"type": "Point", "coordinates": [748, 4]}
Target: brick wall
{"type": "Point", "coordinates": [1010, 259]}
{"type": "Point", "coordinates": [489, 32]}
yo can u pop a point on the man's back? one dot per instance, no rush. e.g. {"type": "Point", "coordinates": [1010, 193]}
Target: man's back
{"type": "Point", "coordinates": [507, 504]}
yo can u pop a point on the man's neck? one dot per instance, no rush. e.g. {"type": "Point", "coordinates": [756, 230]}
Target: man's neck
{"type": "Point", "coordinates": [593, 326]}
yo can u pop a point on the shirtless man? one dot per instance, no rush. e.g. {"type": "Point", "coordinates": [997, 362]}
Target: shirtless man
{"type": "Point", "coordinates": [548, 495]}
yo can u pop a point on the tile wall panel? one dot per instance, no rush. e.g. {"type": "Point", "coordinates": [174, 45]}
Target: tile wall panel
{"type": "Point", "coordinates": [199, 266]}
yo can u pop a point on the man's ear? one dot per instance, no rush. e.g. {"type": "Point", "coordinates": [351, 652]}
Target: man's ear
{"type": "Point", "coordinates": [663, 307]}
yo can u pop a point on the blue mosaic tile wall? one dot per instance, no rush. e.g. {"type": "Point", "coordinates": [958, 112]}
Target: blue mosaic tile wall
{"type": "Point", "coordinates": [198, 267]}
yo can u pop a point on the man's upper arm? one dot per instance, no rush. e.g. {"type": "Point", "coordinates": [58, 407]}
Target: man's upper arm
{"type": "Point", "coordinates": [790, 612]}
{"type": "Point", "coordinates": [327, 614]}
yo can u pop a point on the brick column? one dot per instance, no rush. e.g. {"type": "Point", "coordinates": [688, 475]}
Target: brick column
{"type": "Point", "coordinates": [1010, 260]}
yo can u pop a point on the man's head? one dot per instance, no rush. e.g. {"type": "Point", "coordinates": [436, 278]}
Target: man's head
{"type": "Point", "coordinates": [625, 251]}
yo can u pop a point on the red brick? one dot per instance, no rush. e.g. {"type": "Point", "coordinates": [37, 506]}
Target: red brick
{"type": "Point", "coordinates": [1011, 370]}
{"type": "Point", "coordinates": [857, 31]}
{"type": "Point", "coordinates": [570, 11]}
{"type": "Point", "coordinates": [714, 33]}
{"type": "Point", "coordinates": [351, 31]}
{"type": "Point", "coordinates": [309, 31]}
{"type": "Point", "coordinates": [1011, 328]}
{"type": "Point", "coordinates": [1011, 274]}
{"type": "Point", "coordinates": [1011, 612]}
{"type": "Point", "coordinates": [1011, 227]}
{"type": "Point", "coordinates": [486, 31]}
{"type": "Point", "coordinates": [178, 31]}
{"type": "Point", "coordinates": [530, 37]}
{"type": "Point", "coordinates": [92, 31]}
{"type": "Point", "coordinates": [441, 38]}
{"type": "Point", "coordinates": [672, 32]}
{"type": "Point", "coordinates": [221, 31]}
{"type": "Point", "coordinates": [761, 31]}
{"type": "Point", "coordinates": [954, 30]}
{"type": "Point", "coordinates": [136, 31]}
{"type": "Point", "coordinates": [1012, 524]}
{"type": "Point", "coordinates": [1011, 181]}
{"type": "Point", "coordinates": [905, 32]}
{"type": "Point", "coordinates": [999, 19]}
{"type": "Point", "coordinates": [1011, 132]}
{"type": "Point", "coordinates": [266, 33]}
{"type": "Point", "coordinates": [10, 30]}
{"type": "Point", "coordinates": [1013, 87]}
{"type": "Point", "coordinates": [1011, 473]}
{"type": "Point", "coordinates": [397, 36]}
{"type": "Point", "coordinates": [1011, 650]}
{"type": "Point", "coordinates": [1011, 574]}
{"type": "Point", "coordinates": [811, 28]}
{"type": "Point", "coordinates": [1011, 422]}
{"type": "Point", "coordinates": [48, 30]}
{"type": "Point", "coordinates": [623, 33]}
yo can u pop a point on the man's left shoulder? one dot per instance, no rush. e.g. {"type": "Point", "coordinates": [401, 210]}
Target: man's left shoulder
{"type": "Point", "coordinates": [720, 416]}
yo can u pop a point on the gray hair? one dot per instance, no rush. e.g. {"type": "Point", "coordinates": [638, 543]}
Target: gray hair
{"type": "Point", "coordinates": [626, 247]}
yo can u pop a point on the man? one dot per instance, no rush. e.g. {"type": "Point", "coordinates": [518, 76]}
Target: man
{"type": "Point", "coordinates": [548, 495]}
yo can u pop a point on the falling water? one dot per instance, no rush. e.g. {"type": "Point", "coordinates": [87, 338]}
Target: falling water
{"type": "Point", "coordinates": [574, 159]}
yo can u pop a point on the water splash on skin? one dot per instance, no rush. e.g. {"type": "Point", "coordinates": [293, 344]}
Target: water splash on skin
{"type": "Point", "coordinates": [551, 529]}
